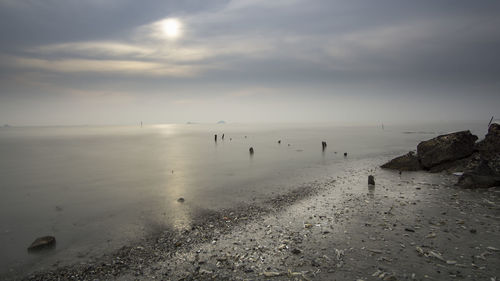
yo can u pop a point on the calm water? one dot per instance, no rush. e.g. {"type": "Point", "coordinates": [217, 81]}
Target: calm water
{"type": "Point", "coordinates": [97, 188]}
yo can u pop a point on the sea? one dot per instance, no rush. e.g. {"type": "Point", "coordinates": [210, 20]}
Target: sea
{"type": "Point", "coordinates": [97, 188]}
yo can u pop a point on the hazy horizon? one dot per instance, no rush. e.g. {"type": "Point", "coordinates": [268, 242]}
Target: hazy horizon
{"type": "Point", "coordinates": [120, 62]}
{"type": "Point", "coordinates": [394, 123]}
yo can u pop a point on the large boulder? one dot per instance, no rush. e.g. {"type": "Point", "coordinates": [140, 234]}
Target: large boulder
{"type": "Point", "coordinates": [454, 166]}
{"type": "Point", "coordinates": [445, 148]}
{"type": "Point", "coordinates": [407, 162]}
{"type": "Point", "coordinates": [491, 142]}
{"type": "Point", "coordinates": [482, 172]}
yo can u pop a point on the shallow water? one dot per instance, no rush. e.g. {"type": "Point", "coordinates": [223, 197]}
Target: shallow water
{"type": "Point", "coordinates": [97, 188]}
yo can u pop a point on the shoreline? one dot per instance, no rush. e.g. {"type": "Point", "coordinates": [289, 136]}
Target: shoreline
{"type": "Point", "coordinates": [163, 243]}
{"type": "Point", "coordinates": [417, 226]}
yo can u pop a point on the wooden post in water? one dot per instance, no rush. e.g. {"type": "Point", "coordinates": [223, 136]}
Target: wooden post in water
{"type": "Point", "coordinates": [371, 180]}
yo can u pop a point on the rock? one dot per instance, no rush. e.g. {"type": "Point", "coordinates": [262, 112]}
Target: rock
{"type": "Point", "coordinates": [408, 162]}
{"type": "Point", "coordinates": [180, 200]}
{"type": "Point", "coordinates": [483, 168]}
{"type": "Point", "coordinates": [271, 274]}
{"type": "Point", "coordinates": [345, 154]}
{"type": "Point", "coordinates": [482, 172]}
{"type": "Point", "coordinates": [491, 142]}
{"type": "Point", "coordinates": [371, 180]}
{"type": "Point", "coordinates": [453, 166]}
{"type": "Point", "coordinates": [445, 148]}
{"type": "Point", "coordinates": [41, 243]}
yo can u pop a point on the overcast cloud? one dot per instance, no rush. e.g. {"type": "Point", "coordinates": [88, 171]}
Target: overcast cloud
{"type": "Point", "coordinates": [68, 62]}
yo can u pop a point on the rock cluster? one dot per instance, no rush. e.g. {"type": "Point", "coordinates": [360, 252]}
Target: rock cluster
{"type": "Point", "coordinates": [457, 152]}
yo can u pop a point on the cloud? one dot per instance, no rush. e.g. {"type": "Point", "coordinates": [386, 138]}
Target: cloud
{"type": "Point", "coordinates": [93, 49]}
{"type": "Point", "coordinates": [251, 51]}
{"type": "Point", "coordinates": [101, 66]}
{"type": "Point", "coordinates": [254, 91]}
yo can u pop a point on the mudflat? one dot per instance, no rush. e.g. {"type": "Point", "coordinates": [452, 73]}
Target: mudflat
{"type": "Point", "coordinates": [413, 226]}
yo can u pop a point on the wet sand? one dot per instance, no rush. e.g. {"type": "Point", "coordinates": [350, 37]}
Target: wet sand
{"type": "Point", "coordinates": [414, 226]}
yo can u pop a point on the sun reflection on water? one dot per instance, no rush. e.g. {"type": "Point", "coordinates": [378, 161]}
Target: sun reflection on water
{"type": "Point", "coordinates": [178, 210]}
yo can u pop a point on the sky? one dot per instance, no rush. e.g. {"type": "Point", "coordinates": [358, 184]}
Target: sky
{"type": "Point", "coordinates": [104, 62]}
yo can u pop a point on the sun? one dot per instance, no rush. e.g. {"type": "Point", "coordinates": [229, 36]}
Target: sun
{"type": "Point", "coordinates": [171, 28]}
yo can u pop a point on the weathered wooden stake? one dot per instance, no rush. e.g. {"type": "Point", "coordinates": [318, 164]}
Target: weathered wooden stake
{"type": "Point", "coordinates": [371, 180]}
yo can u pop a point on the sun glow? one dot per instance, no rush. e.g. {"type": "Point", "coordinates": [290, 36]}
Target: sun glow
{"type": "Point", "coordinates": [171, 28]}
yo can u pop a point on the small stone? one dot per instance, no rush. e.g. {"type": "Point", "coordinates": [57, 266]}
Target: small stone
{"type": "Point", "coordinates": [431, 235]}
{"type": "Point", "coordinates": [271, 274]}
{"type": "Point", "coordinates": [180, 200]}
{"type": "Point", "coordinates": [45, 242]}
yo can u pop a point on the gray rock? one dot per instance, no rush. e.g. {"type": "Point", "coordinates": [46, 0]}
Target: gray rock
{"type": "Point", "coordinates": [445, 148]}
{"type": "Point", "coordinates": [41, 243]}
{"type": "Point", "coordinates": [408, 162]}
{"type": "Point", "coordinates": [453, 166]}
{"type": "Point", "coordinates": [491, 143]}
{"type": "Point", "coordinates": [482, 172]}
